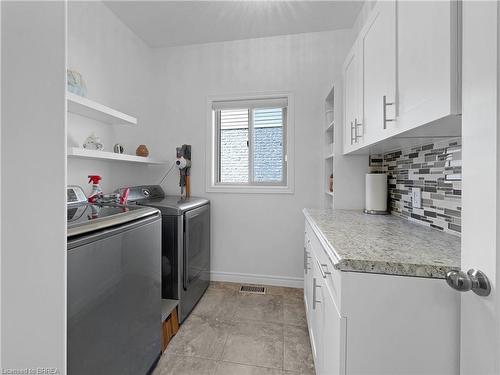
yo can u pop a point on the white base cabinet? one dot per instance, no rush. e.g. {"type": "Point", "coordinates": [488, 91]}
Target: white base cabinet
{"type": "Point", "coordinates": [361, 323]}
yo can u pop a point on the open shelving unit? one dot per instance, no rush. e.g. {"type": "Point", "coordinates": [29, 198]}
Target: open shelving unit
{"type": "Point", "coordinates": [348, 171]}
{"type": "Point", "coordinates": [106, 115]}
{"type": "Point", "coordinates": [329, 144]}
{"type": "Point", "coordinates": [91, 109]}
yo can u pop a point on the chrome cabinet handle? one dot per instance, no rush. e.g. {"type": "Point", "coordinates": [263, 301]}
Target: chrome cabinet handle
{"type": "Point", "coordinates": [315, 285]}
{"type": "Point", "coordinates": [323, 272]}
{"type": "Point", "coordinates": [353, 137]}
{"type": "Point", "coordinates": [357, 125]}
{"type": "Point", "coordinates": [385, 104]}
{"type": "Point", "coordinates": [474, 280]}
{"type": "Point", "coordinates": [306, 261]}
{"type": "Point", "coordinates": [305, 266]}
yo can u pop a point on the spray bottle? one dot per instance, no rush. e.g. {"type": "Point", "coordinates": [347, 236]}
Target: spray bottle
{"type": "Point", "coordinates": [96, 189]}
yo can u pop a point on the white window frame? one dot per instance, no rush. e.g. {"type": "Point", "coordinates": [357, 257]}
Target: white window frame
{"type": "Point", "coordinates": [212, 186]}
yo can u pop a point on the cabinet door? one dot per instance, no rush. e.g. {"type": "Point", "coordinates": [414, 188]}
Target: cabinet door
{"type": "Point", "coordinates": [379, 70]}
{"type": "Point", "coordinates": [349, 100]}
{"type": "Point", "coordinates": [334, 337]}
{"type": "Point", "coordinates": [353, 99]}
{"type": "Point", "coordinates": [307, 275]}
{"type": "Point", "coordinates": [317, 317]}
{"type": "Point", "coordinates": [428, 61]}
{"type": "Point", "coordinates": [328, 327]}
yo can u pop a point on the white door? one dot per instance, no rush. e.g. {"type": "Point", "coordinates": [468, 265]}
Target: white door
{"type": "Point", "coordinates": [379, 70]}
{"type": "Point", "coordinates": [480, 316]}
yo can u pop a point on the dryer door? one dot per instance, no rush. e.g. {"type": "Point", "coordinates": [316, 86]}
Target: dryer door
{"type": "Point", "coordinates": [196, 245]}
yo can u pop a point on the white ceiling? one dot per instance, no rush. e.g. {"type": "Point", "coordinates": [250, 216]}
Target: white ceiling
{"type": "Point", "coordinates": [171, 23]}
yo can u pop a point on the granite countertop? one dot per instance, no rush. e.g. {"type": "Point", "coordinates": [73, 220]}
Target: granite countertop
{"type": "Point", "coordinates": [384, 244]}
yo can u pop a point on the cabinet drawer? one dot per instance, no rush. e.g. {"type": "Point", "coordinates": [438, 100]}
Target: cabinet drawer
{"type": "Point", "coordinates": [331, 276]}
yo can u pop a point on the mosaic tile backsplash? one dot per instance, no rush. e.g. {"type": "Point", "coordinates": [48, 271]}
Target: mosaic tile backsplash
{"type": "Point", "coordinates": [436, 169]}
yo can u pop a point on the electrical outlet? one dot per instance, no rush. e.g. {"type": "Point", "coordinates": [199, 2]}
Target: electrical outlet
{"type": "Point", "coordinates": [416, 197]}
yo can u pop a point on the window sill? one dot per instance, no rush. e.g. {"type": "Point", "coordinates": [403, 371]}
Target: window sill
{"type": "Point", "coordinates": [250, 189]}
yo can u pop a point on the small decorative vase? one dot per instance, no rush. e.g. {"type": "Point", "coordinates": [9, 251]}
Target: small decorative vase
{"type": "Point", "coordinates": [118, 148]}
{"type": "Point", "coordinates": [93, 142]}
{"type": "Point", "coordinates": [142, 150]}
{"type": "Point", "coordinates": [76, 83]}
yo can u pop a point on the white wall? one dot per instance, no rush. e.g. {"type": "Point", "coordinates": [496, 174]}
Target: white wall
{"type": "Point", "coordinates": [33, 165]}
{"type": "Point", "coordinates": [167, 90]}
{"type": "Point", "coordinates": [254, 235]}
{"type": "Point", "coordinates": [0, 183]}
{"type": "Point", "coordinates": [117, 68]}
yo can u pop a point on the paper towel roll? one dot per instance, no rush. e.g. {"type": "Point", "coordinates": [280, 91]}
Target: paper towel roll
{"type": "Point", "coordinates": [376, 193]}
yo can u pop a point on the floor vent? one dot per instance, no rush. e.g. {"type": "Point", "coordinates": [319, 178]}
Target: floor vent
{"type": "Point", "coordinates": [254, 289]}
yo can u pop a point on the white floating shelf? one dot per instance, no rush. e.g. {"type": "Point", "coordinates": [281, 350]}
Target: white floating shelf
{"type": "Point", "coordinates": [77, 152]}
{"type": "Point", "coordinates": [330, 193]}
{"type": "Point", "coordinates": [88, 108]}
{"type": "Point", "coordinates": [330, 126]}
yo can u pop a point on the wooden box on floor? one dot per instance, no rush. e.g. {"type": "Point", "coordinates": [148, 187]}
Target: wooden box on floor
{"type": "Point", "coordinates": [170, 320]}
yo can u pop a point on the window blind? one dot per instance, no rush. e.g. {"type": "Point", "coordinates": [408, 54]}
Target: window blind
{"type": "Point", "coordinates": [234, 119]}
{"type": "Point", "coordinates": [250, 104]}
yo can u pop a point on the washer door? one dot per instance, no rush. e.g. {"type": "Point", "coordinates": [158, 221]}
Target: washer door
{"type": "Point", "coordinates": [114, 300]}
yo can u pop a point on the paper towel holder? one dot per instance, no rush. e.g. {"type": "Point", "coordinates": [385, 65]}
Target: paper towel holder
{"type": "Point", "coordinates": [376, 194]}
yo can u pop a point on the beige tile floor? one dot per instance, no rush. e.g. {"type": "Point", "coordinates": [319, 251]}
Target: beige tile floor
{"type": "Point", "coordinates": [229, 333]}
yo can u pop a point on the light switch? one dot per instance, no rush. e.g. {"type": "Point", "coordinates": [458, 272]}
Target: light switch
{"type": "Point", "coordinates": [416, 197]}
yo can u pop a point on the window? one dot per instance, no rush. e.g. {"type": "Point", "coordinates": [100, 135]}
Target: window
{"type": "Point", "coordinates": [249, 145]}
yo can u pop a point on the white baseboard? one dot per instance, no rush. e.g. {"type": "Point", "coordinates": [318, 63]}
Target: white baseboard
{"type": "Point", "coordinates": [291, 282]}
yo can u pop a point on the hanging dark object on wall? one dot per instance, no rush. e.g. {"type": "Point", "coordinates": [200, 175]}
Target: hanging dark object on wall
{"type": "Point", "coordinates": [183, 162]}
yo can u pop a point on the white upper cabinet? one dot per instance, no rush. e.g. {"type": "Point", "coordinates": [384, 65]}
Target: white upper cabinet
{"type": "Point", "coordinates": [428, 61]}
{"type": "Point", "coordinates": [408, 73]}
{"type": "Point", "coordinates": [379, 70]}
